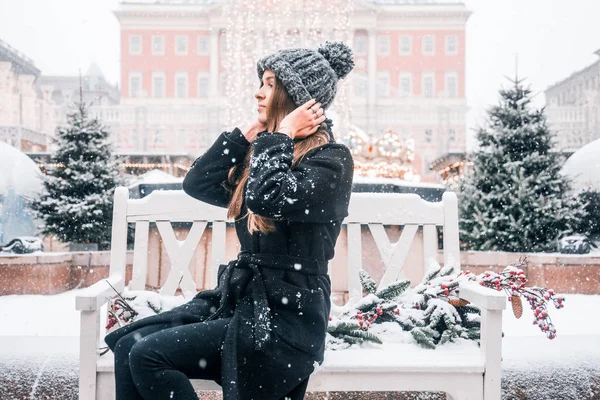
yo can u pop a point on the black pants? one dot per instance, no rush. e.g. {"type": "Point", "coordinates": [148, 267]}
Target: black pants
{"type": "Point", "coordinates": [157, 361]}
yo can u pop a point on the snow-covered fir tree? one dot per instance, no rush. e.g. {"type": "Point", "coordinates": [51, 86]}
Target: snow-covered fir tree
{"type": "Point", "coordinates": [76, 205]}
{"type": "Point", "coordinates": [514, 197]}
{"type": "Point", "coordinates": [591, 224]}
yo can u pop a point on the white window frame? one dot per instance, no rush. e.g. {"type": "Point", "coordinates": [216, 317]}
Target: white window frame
{"type": "Point", "coordinates": [129, 80]}
{"type": "Point", "coordinates": [361, 85]}
{"type": "Point", "coordinates": [361, 44]}
{"type": "Point", "coordinates": [206, 51]}
{"type": "Point", "coordinates": [401, 76]}
{"type": "Point", "coordinates": [158, 52]}
{"type": "Point", "coordinates": [159, 74]}
{"type": "Point", "coordinates": [131, 49]}
{"type": "Point", "coordinates": [178, 75]}
{"type": "Point", "coordinates": [381, 41]}
{"type": "Point", "coordinates": [187, 45]}
{"type": "Point", "coordinates": [383, 90]}
{"type": "Point", "coordinates": [424, 51]}
{"type": "Point", "coordinates": [410, 45]}
{"type": "Point", "coordinates": [202, 75]}
{"type": "Point", "coordinates": [424, 76]}
{"type": "Point", "coordinates": [447, 45]}
{"type": "Point", "coordinates": [447, 76]}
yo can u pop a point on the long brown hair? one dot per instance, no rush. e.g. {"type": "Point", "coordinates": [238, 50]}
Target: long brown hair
{"type": "Point", "coordinates": [281, 105]}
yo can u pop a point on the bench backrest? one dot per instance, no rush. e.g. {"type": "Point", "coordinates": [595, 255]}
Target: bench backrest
{"type": "Point", "coordinates": [371, 209]}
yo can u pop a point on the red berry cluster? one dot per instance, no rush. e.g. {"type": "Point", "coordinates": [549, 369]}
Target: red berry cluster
{"type": "Point", "coordinates": [446, 287]}
{"type": "Point", "coordinates": [512, 280]}
{"type": "Point", "coordinates": [537, 299]}
{"type": "Point", "coordinates": [367, 318]}
{"type": "Point", "coordinates": [120, 311]}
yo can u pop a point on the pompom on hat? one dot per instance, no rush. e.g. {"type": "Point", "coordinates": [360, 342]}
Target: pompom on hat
{"type": "Point", "coordinates": [310, 74]}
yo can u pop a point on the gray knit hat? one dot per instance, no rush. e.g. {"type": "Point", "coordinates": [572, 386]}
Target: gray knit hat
{"type": "Point", "coordinates": [310, 74]}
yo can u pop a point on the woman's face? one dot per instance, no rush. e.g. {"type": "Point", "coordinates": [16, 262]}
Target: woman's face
{"type": "Point", "coordinates": [263, 95]}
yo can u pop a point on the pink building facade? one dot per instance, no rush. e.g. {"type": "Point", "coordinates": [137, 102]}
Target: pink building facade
{"type": "Point", "coordinates": [409, 75]}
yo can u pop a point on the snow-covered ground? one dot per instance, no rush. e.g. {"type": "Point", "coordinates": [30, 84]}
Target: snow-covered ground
{"type": "Point", "coordinates": [55, 315]}
{"type": "Point", "coordinates": [41, 331]}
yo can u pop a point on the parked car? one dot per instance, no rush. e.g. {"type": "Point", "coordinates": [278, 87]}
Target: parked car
{"type": "Point", "coordinates": [575, 244]}
{"type": "Point", "coordinates": [23, 245]}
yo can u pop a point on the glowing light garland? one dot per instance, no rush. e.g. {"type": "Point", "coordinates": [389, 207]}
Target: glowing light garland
{"type": "Point", "coordinates": [255, 28]}
{"type": "Point", "coordinates": [390, 156]}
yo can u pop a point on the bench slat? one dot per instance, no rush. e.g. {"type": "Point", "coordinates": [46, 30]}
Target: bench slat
{"type": "Point", "coordinates": [430, 246]}
{"type": "Point", "coordinates": [393, 209]}
{"type": "Point", "coordinates": [218, 250]}
{"type": "Point", "coordinates": [354, 262]}
{"type": "Point", "coordinates": [393, 254]}
{"type": "Point", "coordinates": [180, 254]}
{"type": "Point", "coordinates": [140, 256]}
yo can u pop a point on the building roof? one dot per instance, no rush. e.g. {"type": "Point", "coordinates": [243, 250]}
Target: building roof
{"type": "Point", "coordinates": [20, 62]}
{"type": "Point", "coordinates": [575, 74]}
{"type": "Point", "coordinates": [94, 86]}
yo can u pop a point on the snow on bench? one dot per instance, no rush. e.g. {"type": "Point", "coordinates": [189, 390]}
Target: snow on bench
{"type": "Point", "coordinates": [463, 372]}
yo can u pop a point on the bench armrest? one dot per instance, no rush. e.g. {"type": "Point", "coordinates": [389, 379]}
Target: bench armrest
{"type": "Point", "coordinates": [95, 296]}
{"type": "Point", "coordinates": [483, 297]}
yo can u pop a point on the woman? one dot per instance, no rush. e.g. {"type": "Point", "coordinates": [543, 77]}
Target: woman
{"type": "Point", "coordinates": [287, 185]}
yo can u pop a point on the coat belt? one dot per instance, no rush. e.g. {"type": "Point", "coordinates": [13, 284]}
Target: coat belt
{"type": "Point", "coordinates": [254, 262]}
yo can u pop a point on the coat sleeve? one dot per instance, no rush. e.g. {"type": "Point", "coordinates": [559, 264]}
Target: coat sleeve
{"type": "Point", "coordinates": [317, 190]}
{"type": "Point", "coordinates": [206, 179]}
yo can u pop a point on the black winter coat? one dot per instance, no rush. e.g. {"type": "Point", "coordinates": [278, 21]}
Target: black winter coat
{"type": "Point", "coordinates": [278, 289]}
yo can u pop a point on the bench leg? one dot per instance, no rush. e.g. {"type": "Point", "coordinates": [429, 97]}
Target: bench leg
{"type": "Point", "coordinates": [474, 393]}
{"type": "Point", "coordinates": [88, 346]}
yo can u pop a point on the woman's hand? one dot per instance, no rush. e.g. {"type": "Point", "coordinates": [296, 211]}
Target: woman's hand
{"type": "Point", "coordinates": [252, 130]}
{"type": "Point", "coordinates": [303, 121]}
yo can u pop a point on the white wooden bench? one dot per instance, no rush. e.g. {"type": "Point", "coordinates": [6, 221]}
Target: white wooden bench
{"type": "Point", "coordinates": [467, 375]}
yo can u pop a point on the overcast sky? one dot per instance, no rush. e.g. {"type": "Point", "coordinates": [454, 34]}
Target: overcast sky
{"type": "Point", "coordinates": [552, 38]}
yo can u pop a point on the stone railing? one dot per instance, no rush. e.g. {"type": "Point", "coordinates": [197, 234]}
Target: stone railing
{"type": "Point", "coordinates": [51, 273]}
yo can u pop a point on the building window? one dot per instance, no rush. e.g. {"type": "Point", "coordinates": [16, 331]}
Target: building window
{"type": "Point", "coordinates": [361, 85]}
{"type": "Point", "coordinates": [405, 84]}
{"type": "Point", "coordinates": [361, 44]}
{"type": "Point", "coordinates": [203, 46]}
{"type": "Point", "coordinates": [181, 85]}
{"type": "Point", "coordinates": [451, 45]}
{"type": "Point", "coordinates": [158, 84]}
{"type": "Point", "coordinates": [428, 45]}
{"type": "Point", "coordinates": [428, 84]}
{"type": "Point", "coordinates": [135, 44]}
{"type": "Point", "coordinates": [383, 84]}
{"type": "Point", "coordinates": [158, 45]}
{"type": "Point", "coordinates": [135, 84]}
{"type": "Point", "coordinates": [405, 45]}
{"type": "Point", "coordinates": [181, 45]}
{"type": "Point", "coordinates": [451, 135]}
{"type": "Point", "coordinates": [202, 84]}
{"type": "Point", "coordinates": [383, 45]}
{"type": "Point", "coordinates": [428, 135]}
{"type": "Point", "coordinates": [451, 84]}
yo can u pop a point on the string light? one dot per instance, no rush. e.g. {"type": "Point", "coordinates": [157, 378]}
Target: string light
{"type": "Point", "coordinates": [390, 156]}
{"type": "Point", "coordinates": [255, 28]}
